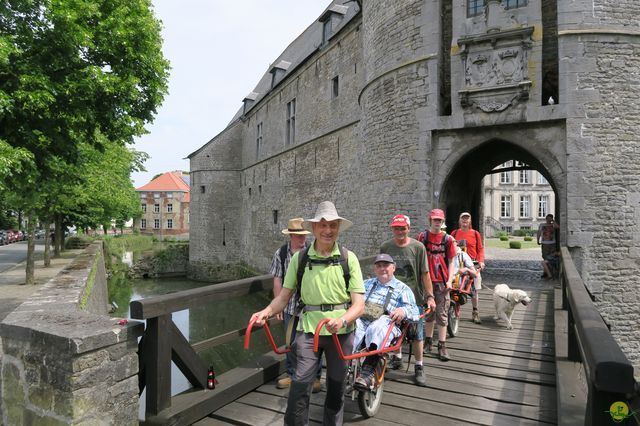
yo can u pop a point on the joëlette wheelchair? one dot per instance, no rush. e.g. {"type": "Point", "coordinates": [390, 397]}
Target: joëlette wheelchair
{"type": "Point", "coordinates": [369, 400]}
{"type": "Point", "coordinates": [460, 293]}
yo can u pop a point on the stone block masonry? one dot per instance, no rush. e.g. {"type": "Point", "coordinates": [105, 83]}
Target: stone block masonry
{"type": "Point", "coordinates": [64, 361]}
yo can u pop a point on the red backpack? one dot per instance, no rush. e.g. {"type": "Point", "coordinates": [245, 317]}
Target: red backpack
{"type": "Point", "coordinates": [436, 256]}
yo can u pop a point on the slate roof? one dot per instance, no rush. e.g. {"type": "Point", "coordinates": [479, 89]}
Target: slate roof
{"type": "Point", "coordinates": [169, 181]}
{"type": "Point", "coordinates": [305, 45]}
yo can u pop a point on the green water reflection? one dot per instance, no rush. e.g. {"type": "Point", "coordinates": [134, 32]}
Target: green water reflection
{"type": "Point", "coordinates": [201, 322]}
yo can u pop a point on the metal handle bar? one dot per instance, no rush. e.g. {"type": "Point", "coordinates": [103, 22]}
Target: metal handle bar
{"type": "Point", "coordinates": [247, 337]}
{"type": "Point", "coordinates": [383, 350]}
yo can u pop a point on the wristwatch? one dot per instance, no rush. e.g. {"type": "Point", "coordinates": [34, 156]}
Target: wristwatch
{"type": "Point", "coordinates": [344, 322]}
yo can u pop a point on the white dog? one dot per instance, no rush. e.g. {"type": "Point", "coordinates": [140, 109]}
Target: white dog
{"type": "Point", "coordinates": [505, 300]}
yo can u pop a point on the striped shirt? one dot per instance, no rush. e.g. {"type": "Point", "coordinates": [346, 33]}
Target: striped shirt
{"type": "Point", "coordinates": [276, 271]}
{"type": "Point", "coordinates": [402, 297]}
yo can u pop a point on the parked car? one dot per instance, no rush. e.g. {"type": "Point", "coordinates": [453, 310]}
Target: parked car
{"type": "Point", "coordinates": [39, 234]}
{"type": "Point", "coordinates": [11, 236]}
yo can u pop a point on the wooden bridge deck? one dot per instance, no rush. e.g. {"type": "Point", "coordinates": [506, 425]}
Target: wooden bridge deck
{"type": "Point", "coordinates": [496, 377]}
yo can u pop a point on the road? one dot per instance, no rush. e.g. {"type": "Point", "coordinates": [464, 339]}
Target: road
{"type": "Point", "coordinates": [15, 253]}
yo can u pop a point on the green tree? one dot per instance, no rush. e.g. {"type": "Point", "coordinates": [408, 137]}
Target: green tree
{"type": "Point", "coordinates": [73, 73]}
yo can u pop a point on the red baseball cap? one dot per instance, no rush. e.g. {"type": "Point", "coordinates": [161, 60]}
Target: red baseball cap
{"type": "Point", "coordinates": [436, 214]}
{"type": "Point", "coordinates": [400, 220]}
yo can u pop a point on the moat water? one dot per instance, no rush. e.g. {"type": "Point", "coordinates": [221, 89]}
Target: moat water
{"type": "Point", "coordinates": [198, 323]}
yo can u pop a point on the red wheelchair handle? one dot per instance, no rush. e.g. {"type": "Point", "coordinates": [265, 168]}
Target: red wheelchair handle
{"type": "Point", "coordinates": [247, 337]}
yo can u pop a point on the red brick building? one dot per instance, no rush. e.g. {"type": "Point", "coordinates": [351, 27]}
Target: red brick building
{"type": "Point", "coordinates": [165, 206]}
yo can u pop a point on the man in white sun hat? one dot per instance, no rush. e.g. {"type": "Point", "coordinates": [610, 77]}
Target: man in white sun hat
{"type": "Point", "coordinates": [329, 281]}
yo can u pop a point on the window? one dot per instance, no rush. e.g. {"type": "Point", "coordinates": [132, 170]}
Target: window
{"type": "Point", "coordinates": [258, 140]}
{"type": "Point", "coordinates": [513, 4]}
{"type": "Point", "coordinates": [505, 206]}
{"type": "Point", "coordinates": [144, 208]}
{"type": "Point", "coordinates": [505, 177]}
{"type": "Point", "coordinates": [543, 205]}
{"type": "Point", "coordinates": [156, 195]}
{"type": "Point", "coordinates": [335, 87]}
{"type": "Point", "coordinates": [143, 195]}
{"type": "Point", "coordinates": [202, 189]}
{"type": "Point", "coordinates": [525, 206]}
{"type": "Point", "coordinates": [275, 217]}
{"type": "Point", "coordinates": [525, 177]}
{"type": "Point", "coordinates": [169, 194]}
{"type": "Point", "coordinates": [507, 229]}
{"type": "Point", "coordinates": [169, 223]}
{"type": "Point", "coordinates": [291, 122]}
{"type": "Point", "coordinates": [156, 223]}
{"type": "Point", "coordinates": [156, 208]}
{"type": "Point", "coordinates": [542, 180]}
{"type": "Point", "coordinates": [475, 7]}
{"type": "Point", "coordinates": [326, 31]}
{"type": "Point", "coordinates": [143, 223]}
{"type": "Point", "coordinates": [169, 208]}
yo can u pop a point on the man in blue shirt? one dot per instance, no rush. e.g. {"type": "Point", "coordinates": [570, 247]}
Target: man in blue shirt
{"type": "Point", "coordinates": [395, 301]}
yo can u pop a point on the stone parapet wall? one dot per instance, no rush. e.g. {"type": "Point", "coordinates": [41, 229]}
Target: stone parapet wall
{"type": "Point", "coordinates": [64, 361]}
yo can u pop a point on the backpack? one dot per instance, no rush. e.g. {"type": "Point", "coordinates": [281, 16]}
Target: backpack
{"type": "Point", "coordinates": [439, 249]}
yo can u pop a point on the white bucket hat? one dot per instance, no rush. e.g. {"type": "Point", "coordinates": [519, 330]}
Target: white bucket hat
{"type": "Point", "coordinates": [327, 211]}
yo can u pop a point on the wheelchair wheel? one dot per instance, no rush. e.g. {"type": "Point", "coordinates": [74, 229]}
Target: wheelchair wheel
{"type": "Point", "coordinates": [452, 326]}
{"type": "Point", "coordinates": [369, 401]}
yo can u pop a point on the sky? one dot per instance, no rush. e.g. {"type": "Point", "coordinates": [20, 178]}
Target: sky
{"type": "Point", "coordinates": [218, 50]}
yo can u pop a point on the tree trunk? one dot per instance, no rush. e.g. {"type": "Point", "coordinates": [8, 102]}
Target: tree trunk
{"type": "Point", "coordinates": [47, 238]}
{"type": "Point", "coordinates": [57, 239]}
{"type": "Point", "coordinates": [31, 243]}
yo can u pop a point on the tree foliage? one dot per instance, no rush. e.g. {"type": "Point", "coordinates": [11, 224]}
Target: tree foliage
{"type": "Point", "coordinates": [79, 79]}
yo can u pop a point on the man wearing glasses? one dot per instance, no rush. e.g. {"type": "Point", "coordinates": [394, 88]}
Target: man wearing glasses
{"type": "Point", "coordinates": [410, 268]}
{"type": "Point", "coordinates": [441, 252]}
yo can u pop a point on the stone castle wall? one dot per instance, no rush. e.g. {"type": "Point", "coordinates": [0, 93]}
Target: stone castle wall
{"type": "Point", "coordinates": [388, 144]}
{"type": "Point", "coordinates": [600, 59]}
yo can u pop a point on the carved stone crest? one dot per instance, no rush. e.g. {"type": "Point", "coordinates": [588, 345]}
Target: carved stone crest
{"type": "Point", "coordinates": [495, 69]}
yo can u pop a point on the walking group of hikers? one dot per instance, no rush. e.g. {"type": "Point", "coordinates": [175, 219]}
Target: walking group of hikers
{"type": "Point", "coordinates": [323, 280]}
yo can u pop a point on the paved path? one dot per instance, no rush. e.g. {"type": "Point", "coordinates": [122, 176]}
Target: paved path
{"type": "Point", "coordinates": [13, 290]}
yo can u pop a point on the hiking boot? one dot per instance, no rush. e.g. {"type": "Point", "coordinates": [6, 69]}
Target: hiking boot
{"type": "Point", "coordinates": [428, 345]}
{"type": "Point", "coordinates": [443, 354]}
{"type": "Point", "coordinates": [365, 379]}
{"type": "Point", "coordinates": [475, 317]}
{"type": "Point", "coordinates": [396, 363]}
{"type": "Point", "coordinates": [317, 386]}
{"type": "Point", "coordinates": [284, 383]}
{"type": "Point", "coordinates": [418, 376]}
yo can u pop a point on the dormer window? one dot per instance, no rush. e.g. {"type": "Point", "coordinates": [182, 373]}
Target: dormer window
{"type": "Point", "coordinates": [278, 71]}
{"type": "Point", "coordinates": [331, 19]}
{"type": "Point", "coordinates": [248, 102]}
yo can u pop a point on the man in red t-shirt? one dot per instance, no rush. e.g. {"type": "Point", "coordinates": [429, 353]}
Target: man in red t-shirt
{"type": "Point", "coordinates": [441, 251]}
{"type": "Point", "coordinates": [475, 250]}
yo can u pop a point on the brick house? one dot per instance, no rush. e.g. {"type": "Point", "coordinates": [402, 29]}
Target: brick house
{"type": "Point", "coordinates": [165, 206]}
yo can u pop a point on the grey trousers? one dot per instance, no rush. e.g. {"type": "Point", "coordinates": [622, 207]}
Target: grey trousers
{"type": "Point", "coordinates": [306, 362]}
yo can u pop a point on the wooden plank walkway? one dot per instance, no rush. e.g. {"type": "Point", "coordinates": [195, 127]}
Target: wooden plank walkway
{"type": "Point", "coordinates": [496, 377]}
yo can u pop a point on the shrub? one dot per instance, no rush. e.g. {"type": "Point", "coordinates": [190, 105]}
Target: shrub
{"type": "Point", "coordinates": [515, 244]}
{"type": "Point", "coordinates": [502, 234]}
{"type": "Point", "coordinates": [528, 238]}
{"type": "Point", "coordinates": [504, 238]}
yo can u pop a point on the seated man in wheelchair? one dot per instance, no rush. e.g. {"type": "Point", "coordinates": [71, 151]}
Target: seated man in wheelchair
{"type": "Point", "coordinates": [387, 300]}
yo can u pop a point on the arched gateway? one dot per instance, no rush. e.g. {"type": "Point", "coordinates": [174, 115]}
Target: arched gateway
{"type": "Point", "coordinates": [384, 106]}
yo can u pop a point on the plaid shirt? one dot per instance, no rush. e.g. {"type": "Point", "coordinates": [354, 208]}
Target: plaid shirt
{"type": "Point", "coordinates": [402, 296]}
{"type": "Point", "coordinates": [276, 271]}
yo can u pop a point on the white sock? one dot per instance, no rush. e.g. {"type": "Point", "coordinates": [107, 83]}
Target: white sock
{"type": "Point", "coordinates": [419, 363]}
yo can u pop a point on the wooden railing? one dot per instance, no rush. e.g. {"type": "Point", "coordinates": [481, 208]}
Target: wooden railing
{"type": "Point", "coordinates": [162, 343]}
{"type": "Point", "coordinates": [608, 372]}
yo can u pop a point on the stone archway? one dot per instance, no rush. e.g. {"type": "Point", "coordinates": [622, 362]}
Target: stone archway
{"type": "Point", "coordinates": [461, 188]}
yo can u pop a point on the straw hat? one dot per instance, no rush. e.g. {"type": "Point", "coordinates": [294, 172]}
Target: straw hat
{"type": "Point", "coordinates": [294, 226]}
{"type": "Point", "coordinates": [327, 211]}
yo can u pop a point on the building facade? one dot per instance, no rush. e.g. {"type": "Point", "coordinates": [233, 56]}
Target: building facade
{"type": "Point", "coordinates": [515, 199]}
{"type": "Point", "coordinates": [164, 203]}
{"type": "Point", "coordinates": [388, 106]}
